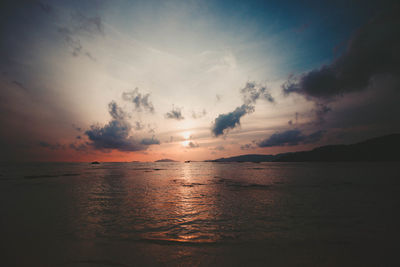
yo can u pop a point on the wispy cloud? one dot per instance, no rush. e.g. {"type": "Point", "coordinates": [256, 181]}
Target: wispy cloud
{"type": "Point", "coordinates": [251, 92]}
{"type": "Point", "coordinates": [198, 115]}
{"type": "Point", "coordinates": [141, 102]}
{"type": "Point", "coordinates": [193, 145]}
{"type": "Point", "coordinates": [55, 146]}
{"type": "Point", "coordinates": [20, 85]}
{"type": "Point", "coordinates": [175, 113]}
{"type": "Point", "coordinates": [219, 148]}
{"type": "Point", "coordinates": [291, 138]}
{"type": "Point", "coordinates": [247, 146]}
{"type": "Point", "coordinates": [82, 25]}
{"type": "Point", "coordinates": [79, 147]}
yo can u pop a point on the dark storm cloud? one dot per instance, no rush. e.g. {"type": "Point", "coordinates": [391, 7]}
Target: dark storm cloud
{"type": "Point", "coordinates": [290, 138]}
{"type": "Point", "coordinates": [251, 92]}
{"type": "Point", "coordinates": [116, 134]}
{"type": "Point", "coordinates": [230, 120]}
{"type": "Point", "coordinates": [141, 102]}
{"type": "Point", "coordinates": [373, 50]}
{"type": "Point", "coordinates": [175, 113]}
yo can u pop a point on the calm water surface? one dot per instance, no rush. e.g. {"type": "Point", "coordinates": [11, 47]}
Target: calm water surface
{"type": "Point", "coordinates": [199, 214]}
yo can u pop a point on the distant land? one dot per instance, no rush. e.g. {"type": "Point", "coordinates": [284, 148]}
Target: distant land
{"type": "Point", "coordinates": [384, 148]}
{"type": "Point", "coordinates": [165, 160]}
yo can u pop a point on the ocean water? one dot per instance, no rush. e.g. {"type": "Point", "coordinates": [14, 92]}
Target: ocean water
{"type": "Point", "coordinates": [199, 214]}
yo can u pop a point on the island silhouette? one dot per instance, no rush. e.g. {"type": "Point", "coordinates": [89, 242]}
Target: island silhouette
{"type": "Point", "coordinates": [384, 148]}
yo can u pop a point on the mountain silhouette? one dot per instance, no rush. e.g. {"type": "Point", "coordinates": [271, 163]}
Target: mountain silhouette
{"type": "Point", "coordinates": [384, 148]}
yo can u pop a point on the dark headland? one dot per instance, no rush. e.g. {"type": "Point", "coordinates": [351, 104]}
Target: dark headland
{"type": "Point", "coordinates": [165, 160]}
{"type": "Point", "coordinates": [384, 148]}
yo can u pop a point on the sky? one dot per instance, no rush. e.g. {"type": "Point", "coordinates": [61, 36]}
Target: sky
{"type": "Point", "coordinates": [194, 80]}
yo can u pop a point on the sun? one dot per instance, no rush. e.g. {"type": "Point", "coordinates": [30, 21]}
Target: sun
{"type": "Point", "coordinates": [185, 143]}
{"type": "Point", "coordinates": [186, 135]}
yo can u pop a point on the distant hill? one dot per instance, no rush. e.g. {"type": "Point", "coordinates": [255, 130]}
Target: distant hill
{"type": "Point", "coordinates": [246, 158]}
{"type": "Point", "coordinates": [385, 148]}
{"type": "Point", "coordinates": [165, 160]}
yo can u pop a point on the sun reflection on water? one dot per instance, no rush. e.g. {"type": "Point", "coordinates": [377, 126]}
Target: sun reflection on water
{"type": "Point", "coordinates": [170, 202]}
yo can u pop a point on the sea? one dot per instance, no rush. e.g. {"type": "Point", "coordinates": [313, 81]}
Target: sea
{"type": "Point", "coordinates": [200, 214]}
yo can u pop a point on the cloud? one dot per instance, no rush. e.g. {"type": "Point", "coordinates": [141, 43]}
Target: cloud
{"type": "Point", "coordinates": [55, 146]}
{"type": "Point", "coordinates": [116, 112]}
{"type": "Point", "coordinates": [82, 25]}
{"type": "Point", "coordinates": [20, 85]}
{"type": "Point", "coordinates": [78, 129]}
{"type": "Point", "coordinates": [219, 148]}
{"type": "Point", "coordinates": [198, 115]}
{"type": "Point", "coordinates": [58, 146]}
{"type": "Point", "coordinates": [247, 146]}
{"type": "Point", "coordinates": [45, 7]}
{"type": "Point", "coordinates": [93, 25]}
{"type": "Point", "coordinates": [79, 147]}
{"type": "Point", "coordinates": [150, 141]}
{"type": "Point", "coordinates": [175, 113]}
{"type": "Point", "coordinates": [373, 50]}
{"type": "Point", "coordinates": [230, 120]}
{"type": "Point", "coordinates": [320, 110]}
{"type": "Point", "coordinates": [251, 92]}
{"type": "Point", "coordinates": [141, 102]}
{"type": "Point", "coordinates": [138, 126]}
{"type": "Point", "coordinates": [291, 138]}
{"type": "Point", "coordinates": [73, 43]}
{"type": "Point", "coordinates": [193, 145]}
{"type": "Point", "coordinates": [116, 134]}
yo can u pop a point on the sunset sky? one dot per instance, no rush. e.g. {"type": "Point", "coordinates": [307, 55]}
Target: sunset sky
{"type": "Point", "coordinates": [194, 80]}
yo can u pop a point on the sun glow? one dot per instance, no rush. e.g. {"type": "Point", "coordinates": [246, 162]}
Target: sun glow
{"type": "Point", "coordinates": [185, 143]}
{"type": "Point", "coordinates": [186, 135]}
